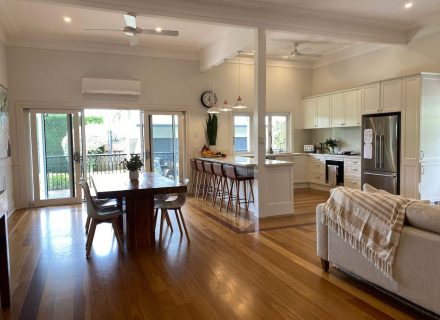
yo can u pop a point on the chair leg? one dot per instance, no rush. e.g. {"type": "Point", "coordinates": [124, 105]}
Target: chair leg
{"type": "Point", "coordinates": [178, 221]}
{"type": "Point", "coordinates": [88, 224]}
{"type": "Point", "coordinates": [167, 218]}
{"type": "Point", "coordinates": [251, 185]}
{"type": "Point", "coordinates": [230, 195]}
{"type": "Point", "coordinates": [156, 212]}
{"type": "Point", "coordinates": [162, 218]}
{"type": "Point", "coordinates": [237, 198]}
{"type": "Point", "coordinates": [223, 182]}
{"type": "Point", "coordinates": [246, 203]}
{"type": "Point", "coordinates": [90, 237]}
{"type": "Point", "coordinates": [184, 224]}
{"type": "Point", "coordinates": [117, 234]}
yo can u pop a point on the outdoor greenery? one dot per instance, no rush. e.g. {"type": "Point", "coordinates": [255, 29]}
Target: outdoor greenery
{"type": "Point", "coordinates": [94, 120]}
{"type": "Point", "coordinates": [211, 128]}
{"type": "Point", "coordinates": [58, 181]}
{"type": "Point", "coordinates": [279, 136]}
{"type": "Point", "coordinates": [55, 126]}
{"type": "Point", "coordinates": [134, 164]}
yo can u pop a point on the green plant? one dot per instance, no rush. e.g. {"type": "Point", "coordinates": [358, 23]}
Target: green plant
{"type": "Point", "coordinates": [134, 164]}
{"type": "Point", "coordinates": [211, 128]}
{"type": "Point", "coordinates": [332, 143]}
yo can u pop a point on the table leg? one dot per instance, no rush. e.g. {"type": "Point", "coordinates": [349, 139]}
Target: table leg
{"type": "Point", "coordinates": [140, 221]}
{"type": "Point", "coordinates": [4, 265]}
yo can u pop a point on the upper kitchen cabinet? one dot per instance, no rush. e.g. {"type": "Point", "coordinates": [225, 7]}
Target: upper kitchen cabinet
{"type": "Point", "coordinates": [430, 119]}
{"type": "Point", "coordinates": [337, 117]}
{"type": "Point", "coordinates": [391, 95]}
{"type": "Point", "coordinates": [352, 108]}
{"type": "Point", "coordinates": [323, 112]}
{"type": "Point", "coordinates": [371, 98]}
{"type": "Point", "coordinates": [309, 113]}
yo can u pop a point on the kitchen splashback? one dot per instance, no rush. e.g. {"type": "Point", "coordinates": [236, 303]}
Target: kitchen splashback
{"type": "Point", "coordinates": [348, 138]}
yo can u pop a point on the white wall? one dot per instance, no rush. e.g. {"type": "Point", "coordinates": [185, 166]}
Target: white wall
{"type": "Point", "coordinates": [5, 163]}
{"type": "Point", "coordinates": [52, 77]}
{"type": "Point", "coordinates": [421, 54]}
{"type": "Point", "coordinates": [349, 139]}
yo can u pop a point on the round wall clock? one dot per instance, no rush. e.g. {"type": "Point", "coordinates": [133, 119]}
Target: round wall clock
{"type": "Point", "coordinates": [208, 99]}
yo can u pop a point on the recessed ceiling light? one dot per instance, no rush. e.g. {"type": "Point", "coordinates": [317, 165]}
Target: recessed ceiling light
{"type": "Point", "coordinates": [67, 19]}
{"type": "Point", "coordinates": [158, 29]}
{"type": "Point", "coordinates": [408, 5]}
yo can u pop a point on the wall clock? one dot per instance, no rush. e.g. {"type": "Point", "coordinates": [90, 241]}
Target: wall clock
{"type": "Point", "coordinates": [208, 99]}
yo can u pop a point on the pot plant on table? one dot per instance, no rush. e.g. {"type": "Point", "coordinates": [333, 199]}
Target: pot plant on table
{"type": "Point", "coordinates": [211, 129]}
{"type": "Point", "coordinates": [133, 165]}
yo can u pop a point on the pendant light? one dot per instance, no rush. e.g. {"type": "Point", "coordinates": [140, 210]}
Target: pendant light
{"type": "Point", "coordinates": [226, 106]}
{"type": "Point", "coordinates": [239, 102]}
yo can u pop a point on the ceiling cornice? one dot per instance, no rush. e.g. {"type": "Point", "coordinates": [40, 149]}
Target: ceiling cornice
{"type": "Point", "coordinates": [281, 18]}
{"type": "Point", "coordinates": [6, 18]}
{"type": "Point", "coordinates": [84, 46]}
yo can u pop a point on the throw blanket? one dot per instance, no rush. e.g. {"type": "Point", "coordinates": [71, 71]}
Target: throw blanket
{"type": "Point", "coordinates": [370, 222]}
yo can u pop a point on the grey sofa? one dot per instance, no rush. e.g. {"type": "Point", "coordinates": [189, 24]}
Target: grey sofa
{"type": "Point", "coordinates": [416, 268]}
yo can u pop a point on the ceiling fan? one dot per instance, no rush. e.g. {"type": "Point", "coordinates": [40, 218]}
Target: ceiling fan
{"type": "Point", "coordinates": [298, 53]}
{"type": "Point", "coordinates": [133, 31]}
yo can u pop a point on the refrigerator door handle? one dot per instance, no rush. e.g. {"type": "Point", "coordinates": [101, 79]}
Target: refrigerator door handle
{"type": "Point", "coordinates": [381, 174]}
{"type": "Point", "coordinates": [376, 151]}
{"type": "Point", "coordinates": [381, 139]}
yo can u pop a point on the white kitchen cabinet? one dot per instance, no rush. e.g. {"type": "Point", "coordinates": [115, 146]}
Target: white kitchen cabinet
{"type": "Point", "coordinates": [429, 181]}
{"type": "Point", "coordinates": [352, 108]}
{"type": "Point", "coordinates": [323, 112]}
{"type": "Point", "coordinates": [391, 96]}
{"type": "Point", "coordinates": [430, 119]}
{"type": "Point", "coordinates": [299, 169]}
{"type": "Point", "coordinates": [337, 117]}
{"type": "Point", "coordinates": [371, 98]}
{"type": "Point", "coordinates": [309, 113]}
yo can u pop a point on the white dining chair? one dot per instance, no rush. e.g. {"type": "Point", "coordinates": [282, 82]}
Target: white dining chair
{"type": "Point", "coordinates": [99, 215]}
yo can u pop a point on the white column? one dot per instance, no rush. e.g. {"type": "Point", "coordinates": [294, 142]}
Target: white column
{"type": "Point", "coordinates": [259, 121]}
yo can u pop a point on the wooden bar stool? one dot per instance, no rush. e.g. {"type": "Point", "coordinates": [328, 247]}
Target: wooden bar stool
{"type": "Point", "coordinates": [209, 187]}
{"type": "Point", "coordinates": [194, 174]}
{"type": "Point", "coordinates": [201, 177]}
{"type": "Point", "coordinates": [220, 184]}
{"type": "Point", "coordinates": [239, 176]}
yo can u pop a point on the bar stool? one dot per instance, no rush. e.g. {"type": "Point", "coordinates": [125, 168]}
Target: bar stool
{"type": "Point", "coordinates": [194, 174]}
{"type": "Point", "coordinates": [201, 177]}
{"type": "Point", "coordinates": [238, 176]}
{"type": "Point", "coordinates": [209, 187]}
{"type": "Point", "coordinates": [220, 184]}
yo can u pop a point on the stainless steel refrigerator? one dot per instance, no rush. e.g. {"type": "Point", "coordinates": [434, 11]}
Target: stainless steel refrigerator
{"type": "Point", "coordinates": [381, 151]}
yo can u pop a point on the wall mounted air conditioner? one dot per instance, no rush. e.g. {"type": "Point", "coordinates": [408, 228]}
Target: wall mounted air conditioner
{"type": "Point", "coordinates": [111, 86]}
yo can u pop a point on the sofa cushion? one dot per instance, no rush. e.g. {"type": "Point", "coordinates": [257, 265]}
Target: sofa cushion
{"type": "Point", "coordinates": [369, 188]}
{"type": "Point", "coordinates": [423, 216]}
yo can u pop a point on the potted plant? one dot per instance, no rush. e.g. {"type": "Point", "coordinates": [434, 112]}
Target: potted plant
{"type": "Point", "coordinates": [211, 128]}
{"type": "Point", "coordinates": [331, 143]}
{"type": "Point", "coordinates": [133, 165]}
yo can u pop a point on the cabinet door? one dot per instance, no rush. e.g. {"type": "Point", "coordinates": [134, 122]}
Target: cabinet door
{"type": "Point", "coordinates": [309, 112]}
{"type": "Point", "coordinates": [371, 98]}
{"type": "Point", "coordinates": [323, 112]}
{"type": "Point", "coordinates": [337, 110]}
{"type": "Point", "coordinates": [352, 109]}
{"type": "Point", "coordinates": [299, 169]}
{"type": "Point", "coordinates": [391, 95]}
{"type": "Point", "coordinates": [430, 120]}
{"type": "Point", "coordinates": [429, 181]}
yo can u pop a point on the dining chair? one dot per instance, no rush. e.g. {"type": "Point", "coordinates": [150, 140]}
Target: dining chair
{"type": "Point", "coordinates": [173, 202]}
{"type": "Point", "coordinates": [102, 203]}
{"type": "Point", "coordinates": [100, 215]}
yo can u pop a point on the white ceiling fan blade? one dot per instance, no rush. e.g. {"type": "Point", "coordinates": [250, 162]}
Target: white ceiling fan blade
{"type": "Point", "coordinates": [130, 20]}
{"type": "Point", "coordinates": [133, 40]}
{"type": "Point", "coordinates": [119, 30]}
{"type": "Point", "coordinates": [310, 55]}
{"type": "Point", "coordinates": [171, 33]}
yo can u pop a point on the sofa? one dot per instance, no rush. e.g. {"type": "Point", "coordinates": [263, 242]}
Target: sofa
{"type": "Point", "coordinates": [416, 270]}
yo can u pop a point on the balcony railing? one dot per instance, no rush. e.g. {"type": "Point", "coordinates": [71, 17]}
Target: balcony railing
{"type": "Point", "coordinates": [58, 168]}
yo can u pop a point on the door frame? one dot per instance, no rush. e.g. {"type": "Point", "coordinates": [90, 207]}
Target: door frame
{"type": "Point", "coordinates": [76, 148]}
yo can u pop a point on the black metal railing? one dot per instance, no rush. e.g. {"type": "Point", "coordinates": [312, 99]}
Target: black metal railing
{"type": "Point", "coordinates": [58, 167]}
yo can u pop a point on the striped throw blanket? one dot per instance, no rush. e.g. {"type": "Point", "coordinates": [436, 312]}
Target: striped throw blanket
{"type": "Point", "coordinates": [370, 222]}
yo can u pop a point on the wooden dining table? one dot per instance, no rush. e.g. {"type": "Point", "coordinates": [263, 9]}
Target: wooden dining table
{"type": "Point", "coordinates": [139, 201]}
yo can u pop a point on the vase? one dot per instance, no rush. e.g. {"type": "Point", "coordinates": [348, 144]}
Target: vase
{"type": "Point", "coordinates": [134, 175]}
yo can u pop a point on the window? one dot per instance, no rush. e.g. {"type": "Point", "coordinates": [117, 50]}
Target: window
{"type": "Point", "coordinates": [277, 132]}
{"type": "Point", "coordinates": [242, 133]}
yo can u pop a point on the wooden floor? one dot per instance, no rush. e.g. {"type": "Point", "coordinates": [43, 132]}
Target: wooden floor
{"type": "Point", "coordinates": [224, 273]}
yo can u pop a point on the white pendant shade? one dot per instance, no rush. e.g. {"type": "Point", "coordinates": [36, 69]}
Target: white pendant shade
{"type": "Point", "coordinates": [214, 109]}
{"type": "Point", "coordinates": [226, 106]}
{"type": "Point", "coordinates": [239, 104]}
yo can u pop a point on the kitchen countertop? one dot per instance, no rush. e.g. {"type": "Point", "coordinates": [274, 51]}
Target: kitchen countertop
{"type": "Point", "coordinates": [246, 161]}
{"type": "Point", "coordinates": [327, 155]}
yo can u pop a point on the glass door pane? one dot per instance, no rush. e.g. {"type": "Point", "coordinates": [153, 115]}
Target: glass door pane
{"type": "Point", "coordinates": [56, 157]}
{"type": "Point", "coordinates": [242, 130]}
{"type": "Point", "coordinates": [279, 133]}
{"type": "Point", "coordinates": [164, 144]}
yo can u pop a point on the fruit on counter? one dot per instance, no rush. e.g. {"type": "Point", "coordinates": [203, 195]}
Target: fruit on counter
{"type": "Point", "coordinates": [220, 154]}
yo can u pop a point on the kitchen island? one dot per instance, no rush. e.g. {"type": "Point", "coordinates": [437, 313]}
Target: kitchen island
{"type": "Point", "coordinates": [278, 179]}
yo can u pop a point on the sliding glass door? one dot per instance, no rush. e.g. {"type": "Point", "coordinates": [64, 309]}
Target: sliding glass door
{"type": "Point", "coordinates": [56, 157]}
{"type": "Point", "coordinates": [163, 134]}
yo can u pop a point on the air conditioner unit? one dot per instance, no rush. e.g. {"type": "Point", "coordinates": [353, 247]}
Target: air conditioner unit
{"type": "Point", "coordinates": [111, 86]}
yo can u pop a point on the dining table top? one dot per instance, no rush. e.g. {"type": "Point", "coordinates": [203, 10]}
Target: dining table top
{"type": "Point", "coordinates": [149, 183]}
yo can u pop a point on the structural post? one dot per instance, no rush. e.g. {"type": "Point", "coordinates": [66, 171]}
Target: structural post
{"type": "Point", "coordinates": [259, 119]}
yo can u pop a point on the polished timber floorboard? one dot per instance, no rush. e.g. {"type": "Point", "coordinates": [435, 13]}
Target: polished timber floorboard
{"type": "Point", "coordinates": [224, 273]}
